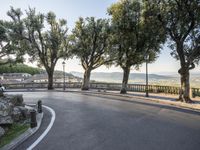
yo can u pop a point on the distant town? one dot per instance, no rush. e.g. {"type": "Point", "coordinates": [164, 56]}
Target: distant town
{"type": "Point", "coordinates": [37, 78]}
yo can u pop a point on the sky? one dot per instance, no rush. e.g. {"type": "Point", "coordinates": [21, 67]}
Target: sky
{"type": "Point", "coordinates": [71, 10]}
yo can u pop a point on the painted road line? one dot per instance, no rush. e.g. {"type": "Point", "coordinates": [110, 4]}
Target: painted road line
{"type": "Point", "coordinates": [47, 129]}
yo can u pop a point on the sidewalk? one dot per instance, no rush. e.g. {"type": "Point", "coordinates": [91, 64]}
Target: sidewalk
{"type": "Point", "coordinates": [166, 99]}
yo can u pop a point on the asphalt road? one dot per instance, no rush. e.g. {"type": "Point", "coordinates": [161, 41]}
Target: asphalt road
{"type": "Point", "coordinates": [85, 122]}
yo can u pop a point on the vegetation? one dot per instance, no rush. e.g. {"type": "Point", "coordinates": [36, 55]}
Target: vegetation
{"type": "Point", "coordinates": [19, 68]}
{"type": "Point", "coordinates": [90, 43]}
{"type": "Point", "coordinates": [44, 44]}
{"type": "Point", "coordinates": [181, 21]}
{"type": "Point", "coordinates": [8, 45]}
{"type": "Point", "coordinates": [12, 133]}
{"type": "Point", "coordinates": [137, 37]}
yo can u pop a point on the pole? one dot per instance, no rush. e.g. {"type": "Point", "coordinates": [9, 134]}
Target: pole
{"type": "Point", "coordinates": [147, 82]}
{"type": "Point", "coordinates": [39, 109]}
{"type": "Point", "coordinates": [63, 75]}
{"type": "Point", "coordinates": [33, 122]}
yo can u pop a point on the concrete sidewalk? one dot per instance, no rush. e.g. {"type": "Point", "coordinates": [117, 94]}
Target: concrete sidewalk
{"type": "Point", "coordinates": [166, 99]}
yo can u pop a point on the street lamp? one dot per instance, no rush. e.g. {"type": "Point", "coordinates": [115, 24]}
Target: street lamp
{"type": "Point", "coordinates": [63, 63]}
{"type": "Point", "coordinates": [147, 79]}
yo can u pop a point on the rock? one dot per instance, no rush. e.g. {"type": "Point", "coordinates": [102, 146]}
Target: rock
{"type": "Point", "coordinates": [21, 113]}
{"type": "Point", "coordinates": [6, 120]}
{"type": "Point", "coordinates": [23, 110]}
{"type": "Point", "coordinates": [2, 131]}
{"type": "Point", "coordinates": [12, 109]}
{"type": "Point", "coordinates": [16, 100]}
{"type": "Point", "coordinates": [16, 115]}
{"type": "Point", "coordinates": [6, 110]}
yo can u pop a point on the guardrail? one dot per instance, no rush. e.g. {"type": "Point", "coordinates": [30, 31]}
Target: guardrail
{"type": "Point", "coordinates": [106, 86]}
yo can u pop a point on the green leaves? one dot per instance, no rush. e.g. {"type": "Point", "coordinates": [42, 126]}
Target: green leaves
{"type": "Point", "coordinates": [135, 32]}
{"type": "Point", "coordinates": [42, 36]}
{"type": "Point", "coordinates": [9, 47]}
{"type": "Point", "coordinates": [46, 43]}
{"type": "Point", "coordinates": [90, 42]}
{"type": "Point", "coordinates": [181, 21]}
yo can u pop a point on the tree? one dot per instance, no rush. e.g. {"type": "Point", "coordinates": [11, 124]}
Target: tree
{"type": "Point", "coordinates": [9, 52]}
{"type": "Point", "coordinates": [136, 35]}
{"type": "Point", "coordinates": [90, 43]}
{"type": "Point", "coordinates": [43, 36]}
{"type": "Point", "coordinates": [181, 21]}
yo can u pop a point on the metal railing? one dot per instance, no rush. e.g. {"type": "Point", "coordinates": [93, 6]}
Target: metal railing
{"type": "Point", "coordinates": [106, 86]}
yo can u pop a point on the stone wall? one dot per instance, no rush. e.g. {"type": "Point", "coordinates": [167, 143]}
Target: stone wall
{"type": "Point", "coordinates": [12, 109]}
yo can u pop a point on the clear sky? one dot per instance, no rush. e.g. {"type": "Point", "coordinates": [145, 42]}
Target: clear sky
{"type": "Point", "coordinates": [71, 10]}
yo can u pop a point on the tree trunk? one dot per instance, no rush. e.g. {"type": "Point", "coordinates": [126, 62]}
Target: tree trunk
{"type": "Point", "coordinates": [185, 86]}
{"type": "Point", "coordinates": [86, 80]}
{"type": "Point", "coordinates": [50, 80]}
{"type": "Point", "coordinates": [126, 71]}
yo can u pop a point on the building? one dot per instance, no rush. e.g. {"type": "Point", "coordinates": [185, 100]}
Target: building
{"type": "Point", "coordinates": [15, 77]}
{"type": "Point", "coordinates": [41, 78]}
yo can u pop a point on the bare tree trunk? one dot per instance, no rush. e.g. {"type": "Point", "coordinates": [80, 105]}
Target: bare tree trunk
{"type": "Point", "coordinates": [185, 86]}
{"type": "Point", "coordinates": [50, 80]}
{"type": "Point", "coordinates": [86, 80]}
{"type": "Point", "coordinates": [126, 71]}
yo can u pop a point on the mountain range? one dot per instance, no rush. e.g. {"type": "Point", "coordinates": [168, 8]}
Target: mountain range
{"type": "Point", "coordinates": [117, 76]}
{"type": "Point", "coordinates": [140, 78]}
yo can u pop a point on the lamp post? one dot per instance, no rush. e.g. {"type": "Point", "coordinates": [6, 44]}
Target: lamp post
{"type": "Point", "coordinates": [63, 63]}
{"type": "Point", "coordinates": [147, 79]}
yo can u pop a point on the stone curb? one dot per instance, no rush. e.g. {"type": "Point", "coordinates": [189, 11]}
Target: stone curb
{"type": "Point", "coordinates": [165, 102]}
{"type": "Point", "coordinates": [182, 105]}
{"type": "Point", "coordinates": [20, 139]}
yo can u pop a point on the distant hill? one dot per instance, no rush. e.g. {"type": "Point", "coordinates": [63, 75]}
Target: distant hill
{"type": "Point", "coordinates": [19, 68]}
{"type": "Point", "coordinates": [117, 76]}
{"type": "Point", "coordinates": [140, 78]}
{"type": "Point", "coordinates": [58, 73]}
{"type": "Point", "coordinates": [22, 68]}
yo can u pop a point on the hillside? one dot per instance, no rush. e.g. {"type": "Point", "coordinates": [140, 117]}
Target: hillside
{"type": "Point", "coordinates": [22, 68]}
{"type": "Point", "coordinates": [19, 68]}
{"type": "Point", "coordinates": [140, 78]}
{"type": "Point", "coordinates": [117, 76]}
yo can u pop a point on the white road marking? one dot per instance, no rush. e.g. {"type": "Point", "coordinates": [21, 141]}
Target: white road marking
{"type": "Point", "coordinates": [47, 129]}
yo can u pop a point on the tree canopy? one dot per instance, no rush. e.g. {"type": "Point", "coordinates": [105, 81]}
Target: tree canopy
{"type": "Point", "coordinates": [43, 36]}
{"type": "Point", "coordinates": [90, 43]}
{"type": "Point", "coordinates": [136, 35]}
{"type": "Point", "coordinates": [9, 52]}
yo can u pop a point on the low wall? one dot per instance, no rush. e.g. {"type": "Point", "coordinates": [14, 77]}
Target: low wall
{"type": "Point", "coordinates": [106, 86]}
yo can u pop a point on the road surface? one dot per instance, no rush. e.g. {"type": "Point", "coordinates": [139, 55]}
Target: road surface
{"type": "Point", "coordinates": [86, 122]}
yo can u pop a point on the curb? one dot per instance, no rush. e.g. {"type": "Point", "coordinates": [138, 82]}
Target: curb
{"type": "Point", "coordinates": [20, 139]}
{"type": "Point", "coordinates": [165, 102]}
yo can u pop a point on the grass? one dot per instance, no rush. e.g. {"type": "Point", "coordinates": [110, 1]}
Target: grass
{"type": "Point", "coordinates": [14, 131]}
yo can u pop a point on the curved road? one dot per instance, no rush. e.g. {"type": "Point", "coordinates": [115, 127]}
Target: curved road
{"type": "Point", "coordinates": [86, 122]}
